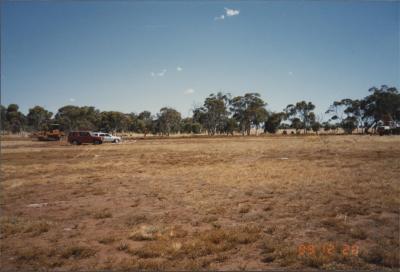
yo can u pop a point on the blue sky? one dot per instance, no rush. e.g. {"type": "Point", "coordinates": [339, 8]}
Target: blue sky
{"type": "Point", "coordinates": [133, 55]}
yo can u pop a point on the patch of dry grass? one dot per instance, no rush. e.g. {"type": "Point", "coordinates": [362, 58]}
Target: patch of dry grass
{"type": "Point", "coordinates": [106, 240]}
{"type": "Point", "coordinates": [200, 244]}
{"type": "Point", "coordinates": [17, 225]}
{"type": "Point", "coordinates": [382, 255]}
{"type": "Point", "coordinates": [358, 233]}
{"type": "Point", "coordinates": [136, 219]}
{"type": "Point", "coordinates": [77, 252]}
{"type": "Point", "coordinates": [206, 203]}
{"type": "Point", "coordinates": [123, 246]}
{"type": "Point", "coordinates": [244, 208]}
{"type": "Point", "coordinates": [102, 214]}
{"type": "Point", "coordinates": [145, 233]}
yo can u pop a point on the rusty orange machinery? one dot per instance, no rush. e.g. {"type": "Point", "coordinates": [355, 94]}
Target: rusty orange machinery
{"type": "Point", "coordinates": [52, 134]}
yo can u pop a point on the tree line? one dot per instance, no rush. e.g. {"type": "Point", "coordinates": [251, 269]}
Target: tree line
{"type": "Point", "coordinates": [220, 114]}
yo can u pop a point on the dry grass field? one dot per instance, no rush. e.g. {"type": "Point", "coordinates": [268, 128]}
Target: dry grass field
{"type": "Point", "coordinates": [239, 203]}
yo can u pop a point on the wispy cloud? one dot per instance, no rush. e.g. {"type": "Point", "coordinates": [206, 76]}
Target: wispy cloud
{"type": "Point", "coordinates": [162, 73]}
{"type": "Point", "coordinates": [290, 73]}
{"type": "Point", "coordinates": [72, 100]}
{"type": "Point", "coordinates": [221, 17]}
{"type": "Point", "coordinates": [179, 69]}
{"type": "Point", "coordinates": [228, 13]}
{"type": "Point", "coordinates": [189, 91]}
{"type": "Point", "coordinates": [159, 74]}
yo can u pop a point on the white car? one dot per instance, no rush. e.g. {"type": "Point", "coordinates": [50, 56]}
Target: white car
{"type": "Point", "coordinates": [108, 137]}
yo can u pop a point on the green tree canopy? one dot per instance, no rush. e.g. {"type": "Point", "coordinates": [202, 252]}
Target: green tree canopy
{"type": "Point", "coordinates": [39, 118]}
{"type": "Point", "coordinates": [74, 118]}
{"type": "Point", "coordinates": [114, 121]}
{"type": "Point", "coordinates": [145, 122]}
{"type": "Point", "coordinates": [168, 121]}
{"type": "Point", "coordinates": [214, 113]}
{"type": "Point", "coordinates": [273, 122]}
{"type": "Point", "coordinates": [301, 110]}
{"type": "Point", "coordinates": [346, 109]}
{"type": "Point", "coordinates": [382, 104]}
{"type": "Point", "coordinates": [248, 110]}
{"type": "Point", "coordinates": [15, 120]}
{"type": "Point", "coordinates": [5, 125]}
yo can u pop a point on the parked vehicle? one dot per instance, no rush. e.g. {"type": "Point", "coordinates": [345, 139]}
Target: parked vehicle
{"type": "Point", "coordinates": [83, 137]}
{"type": "Point", "coordinates": [387, 128]}
{"type": "Point", "coordinates": [107, 137]}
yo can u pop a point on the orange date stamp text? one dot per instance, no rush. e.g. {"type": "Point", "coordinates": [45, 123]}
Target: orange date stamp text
{"type": "Point", "coordinates": [327, 249]}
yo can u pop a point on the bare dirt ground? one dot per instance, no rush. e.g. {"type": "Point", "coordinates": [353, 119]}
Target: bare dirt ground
{"type": "Point", "coordinates": [242, 203]}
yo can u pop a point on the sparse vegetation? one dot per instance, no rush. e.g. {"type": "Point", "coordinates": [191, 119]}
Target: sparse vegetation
{"type": "Point", "coordinates": [123, 246]}
{"type": "Point", "coordinates": [102, 214]}
{"type": "Point", "coordinates": [106, 240]}
{"type": "Point", "coordinates": [144, 233]}
{"type": "Point", "coordinates": [244, 208]}
{"type": "Point", "coordinates": [77, 252]}
{"type": "Point", "coordinates": [16, 225]}
{"type": "Point", "coordinates": [358, 233]}
{"type": "Point", "coordinates": [162, 209]}
{"type": "Point", "coordinates": [137, 219]}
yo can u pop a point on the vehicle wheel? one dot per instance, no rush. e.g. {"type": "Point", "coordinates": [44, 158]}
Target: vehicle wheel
{"type": "Point", "coordinates": [97, 142]}
{"type": "Point", "coordinates": [116, 141]}
{"type": "Point", "coordinates": [75, 142]}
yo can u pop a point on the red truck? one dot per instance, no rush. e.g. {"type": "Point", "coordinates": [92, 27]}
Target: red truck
{"type": "Point", "coordinates": [83, 137]}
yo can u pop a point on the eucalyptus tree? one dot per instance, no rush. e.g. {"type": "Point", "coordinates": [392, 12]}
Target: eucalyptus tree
{"type": "Point", "coordinates": [273, 122]}
{"type": "Point", "coordinates": [382, 104]}
{"type": "Point", "coordinates": [189, 126]}
{"type": "Point", "coordinates": [230, 126]}
{"type": "Point", "coordinates": [248, 110]}
{"type": "Point", "coordinates": [315, 122]}
{"type": "Point", "coordinates": [145, 123]}
{"type": "Point", "coordinates": [297, 124]}
{"type": "Point", "coordinates": [214, 113]}
{"type": "Point", "coordinates": [347, 113]}
{"type": "Point", "coordinates": [15, 120]}
{"type": "Point", "coordinates": [114, 121]}
{"type": "Point", "coordinates": [38, 118]}
{"type": "Point", "coordinates": [168, 121]}
{"type": "Point", "coordinates": [186, 125]}
{"type": "Point", "coordinates": [303, 111]}
{"type": "Point", "coordinates": [3, 115]}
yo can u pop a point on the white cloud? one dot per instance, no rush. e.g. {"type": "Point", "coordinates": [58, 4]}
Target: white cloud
{"type": "Point", "coordinates": [290, 73]}
{"type": "Point", "coordinates": [159, 74]}
{"type": "Point", "coordinates": [179, 69]}
{"type": "Point", "coordinates": [231, 12]}
{"type": "Point", "coordinates": [228, 13]}
{"type": "Point", "coordinates": [189, 91]}
{"type": "Point", "coordinates": [72, 100]}
{"type": "Point", "coordinates": [221, 17]}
